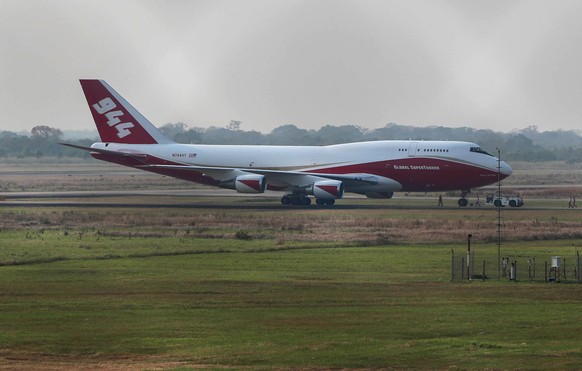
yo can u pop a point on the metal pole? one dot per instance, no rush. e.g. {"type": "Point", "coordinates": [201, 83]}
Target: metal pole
{"type": "Point", "coordinates": [453, 265]}
{"type": "Point", "coordinates": [578, 267]}
{"type": "Point", "coordinates": [469, 257]}
{"type": "Point", "coordinates": [498, 214]}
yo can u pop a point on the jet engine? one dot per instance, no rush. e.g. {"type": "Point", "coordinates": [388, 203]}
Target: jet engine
{"type": "Point", "coordinates": [327, 189]}
{"type": "Point", "coordinates": [252, 183]}
{"type": "Point", "coordinates": [249, 183]}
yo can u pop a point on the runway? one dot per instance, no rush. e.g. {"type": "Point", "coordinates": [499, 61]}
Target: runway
{"type": "Point", "coordinates": [182, 199]}
{"type": "Point", "coordinates": [213, 198]}
{"type": "Point", "coordinates": [209, 192]}
{"type": "Point", "coordinates": [110, 186]}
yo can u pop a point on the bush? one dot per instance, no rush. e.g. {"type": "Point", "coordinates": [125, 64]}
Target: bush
{"type": "Point", "coordinates": [242, 235]}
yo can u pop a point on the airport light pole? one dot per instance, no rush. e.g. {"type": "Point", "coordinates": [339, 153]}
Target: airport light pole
{"type": "Point", "coordinates": [498, 214]}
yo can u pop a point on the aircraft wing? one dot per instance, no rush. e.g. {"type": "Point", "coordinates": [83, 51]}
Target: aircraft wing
{"type": "Point", "coordinates": [277, 177]}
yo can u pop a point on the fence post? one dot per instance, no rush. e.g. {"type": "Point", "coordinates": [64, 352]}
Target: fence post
{"type": "Point", "coordinates": [453, 265]}
{"type": "Point", "coordinates": [513, 271]}
{"type": "Point", "coordinates": [578, 267]}
{"type": "Point", "coordinates": [469, 257]}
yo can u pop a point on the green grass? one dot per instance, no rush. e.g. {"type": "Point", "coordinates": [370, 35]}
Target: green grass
{"type": "Point", "coordinates": [177, 288]}
{"type": "Point", "coordinates": [49, 245]}
{"type": "Point", "coordinates": [322, 307]}
{"type": "Point", "coordinates": [314, 288]}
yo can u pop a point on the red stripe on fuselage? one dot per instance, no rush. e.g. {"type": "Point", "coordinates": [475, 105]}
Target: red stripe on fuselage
{"type": "Point", "coordinates": [418, 174]}
{"type": "Point", "coordinates": [189, 175]}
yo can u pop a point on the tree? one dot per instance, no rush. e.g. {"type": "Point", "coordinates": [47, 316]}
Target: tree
{"type": "Point", "coordinates": [173, 131]}
{"type": "Point", "coordinates": [291, 135]}
{"type": "Point", "coordinates": [340, 134]}
{"type": "Point", "coordinates": [45, 132]}
{"type": "Point", "coordinates": [234, 125]}
{"type": "Point", "coordinates": [44, 141]}
{"type": "Point", "coordinates": [191, 136]}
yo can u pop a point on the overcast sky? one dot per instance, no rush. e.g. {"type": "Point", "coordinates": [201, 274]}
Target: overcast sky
{"type": "Point", "coordinates": [495, 65]}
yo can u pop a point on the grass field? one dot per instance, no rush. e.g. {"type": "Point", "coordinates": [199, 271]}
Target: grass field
{"type": "Point", "coordinates": [310, 308]}
{"type": "Point", "coordinates": [256, 287]}
{"type": "Point", "coordinates": [305, 288]}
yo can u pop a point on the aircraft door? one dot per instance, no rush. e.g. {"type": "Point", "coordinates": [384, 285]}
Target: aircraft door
{"type": "Point", "coordinates": [412, 149]}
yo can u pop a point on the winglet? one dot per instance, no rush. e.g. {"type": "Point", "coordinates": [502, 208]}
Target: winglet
{"type": "Point", "coordinates": [116, 120]}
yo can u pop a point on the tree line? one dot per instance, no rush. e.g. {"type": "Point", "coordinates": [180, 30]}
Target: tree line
{"type": "Point", "coordinates": [528, 144]}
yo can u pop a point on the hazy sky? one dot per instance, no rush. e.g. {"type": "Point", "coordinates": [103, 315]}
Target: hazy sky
{"type": "Point", "coordinates": [487, 64]}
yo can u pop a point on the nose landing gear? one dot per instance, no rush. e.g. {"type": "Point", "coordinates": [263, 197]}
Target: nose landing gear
{"type": "Point", "coordinates": [463, 202]}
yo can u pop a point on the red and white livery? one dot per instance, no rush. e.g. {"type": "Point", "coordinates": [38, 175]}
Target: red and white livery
{"type": "Point", "coordinates": [376, 169]}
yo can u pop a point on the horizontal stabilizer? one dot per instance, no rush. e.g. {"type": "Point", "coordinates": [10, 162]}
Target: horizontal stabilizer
{"type": "Point", "coordinates": [137, 156]}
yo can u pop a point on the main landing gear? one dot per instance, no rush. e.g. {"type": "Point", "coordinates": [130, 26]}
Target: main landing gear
{"type": "Point", "coordinates": [325, 202]}
{"type": "Point", "coordinates": [300, 199]}
{"type": "Point", "coordinates": [296, 199]}
{"type": "Point", "coordinates": [464, 201]}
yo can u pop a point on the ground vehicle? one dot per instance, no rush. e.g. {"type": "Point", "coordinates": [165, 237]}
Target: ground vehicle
{"type": "Point", "coordinates": [511, 201]}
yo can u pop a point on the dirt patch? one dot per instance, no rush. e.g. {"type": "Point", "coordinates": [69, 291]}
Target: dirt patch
{"type": "Point", "coordinates": [13, 360]}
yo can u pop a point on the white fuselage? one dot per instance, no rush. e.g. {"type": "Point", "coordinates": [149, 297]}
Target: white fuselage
{"type": "Point", "coordinates": [414, 165]}
{"type": "Point", "coordinates": [376, 169]}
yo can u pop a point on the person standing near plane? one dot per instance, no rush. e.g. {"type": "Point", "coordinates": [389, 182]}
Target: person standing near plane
{"type": "Point", "coordinates": [440, 204]}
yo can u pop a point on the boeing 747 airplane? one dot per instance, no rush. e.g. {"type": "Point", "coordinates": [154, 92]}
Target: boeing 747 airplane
{"type": "Point", "coordinates": [376, 169]}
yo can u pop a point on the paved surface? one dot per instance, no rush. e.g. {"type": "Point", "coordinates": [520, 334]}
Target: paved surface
{"type": "Point", "coordinates": [206, 199]}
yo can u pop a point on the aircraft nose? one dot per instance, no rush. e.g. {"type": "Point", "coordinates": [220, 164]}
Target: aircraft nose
{"type": "Point", "coordinates": [505, 169]}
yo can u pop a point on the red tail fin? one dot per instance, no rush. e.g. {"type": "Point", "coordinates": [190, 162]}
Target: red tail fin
{"type": "Point", "coordinates": [116, 120]}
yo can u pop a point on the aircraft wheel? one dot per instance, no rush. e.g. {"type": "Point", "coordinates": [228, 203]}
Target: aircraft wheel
{"type": "Point", "coordinates": [325, 202]}
{"type": "Point", "coordinates": [463, 202]}
{"type": "Point", "coordinates": [306, 201]}
{"type": "Point", "coordinates": [285, 200]}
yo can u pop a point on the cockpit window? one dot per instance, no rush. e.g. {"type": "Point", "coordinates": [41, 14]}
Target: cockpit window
{"type": "Point", "coordinates": [479, 150]}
